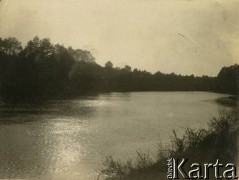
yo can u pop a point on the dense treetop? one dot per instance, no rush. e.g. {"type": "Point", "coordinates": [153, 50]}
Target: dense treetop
{"type": "Point", "coordinates": [41, 70]}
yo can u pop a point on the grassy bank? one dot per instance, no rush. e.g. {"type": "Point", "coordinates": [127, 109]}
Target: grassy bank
{"type": "Point", "coordinates": [219, 141]}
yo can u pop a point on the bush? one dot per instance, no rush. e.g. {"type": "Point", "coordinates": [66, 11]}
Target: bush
{"type": "Point", "coordinates": [218, 142]}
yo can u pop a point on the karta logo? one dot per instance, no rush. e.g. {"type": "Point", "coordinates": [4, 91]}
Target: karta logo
{"type": "Point", "coordinates": [176, 170]}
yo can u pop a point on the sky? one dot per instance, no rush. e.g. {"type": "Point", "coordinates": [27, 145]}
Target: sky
{"type": "Point", "coordinates": [182, 36]}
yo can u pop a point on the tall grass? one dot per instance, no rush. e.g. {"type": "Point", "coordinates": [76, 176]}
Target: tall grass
{"type": "Point", "coordinates": [219, 141]}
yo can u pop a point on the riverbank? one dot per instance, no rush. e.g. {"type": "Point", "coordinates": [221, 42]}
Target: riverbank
{"type": "Point", "coordinates": [63, 72]}
{"type": "Point", "coordinates": [201, 146]}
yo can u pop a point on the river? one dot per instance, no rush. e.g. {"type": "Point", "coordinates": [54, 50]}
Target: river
{"type": "Point", "coordinates": [68, 139]}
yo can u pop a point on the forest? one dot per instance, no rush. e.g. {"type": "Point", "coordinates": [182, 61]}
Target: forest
{"type": "Point", "coordinates": [41, 70]}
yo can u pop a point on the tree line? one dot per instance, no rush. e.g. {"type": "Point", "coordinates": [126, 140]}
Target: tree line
{"type": "Point", "coordinates": [42, 70]}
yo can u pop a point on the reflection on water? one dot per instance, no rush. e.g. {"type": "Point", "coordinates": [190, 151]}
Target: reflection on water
{"type": "Point", "coordinates": [68, 139]}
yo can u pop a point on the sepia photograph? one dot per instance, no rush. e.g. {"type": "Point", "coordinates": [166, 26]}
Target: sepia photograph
{"type": "Point", "coordinates": [119, 89]}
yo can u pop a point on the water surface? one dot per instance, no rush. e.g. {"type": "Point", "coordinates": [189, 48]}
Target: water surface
{"type": "Point", "coordinates": [68, 139]}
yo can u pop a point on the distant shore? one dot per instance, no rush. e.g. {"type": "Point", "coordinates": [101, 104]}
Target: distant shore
{"type": "Point", "coordinates": [42, 70]}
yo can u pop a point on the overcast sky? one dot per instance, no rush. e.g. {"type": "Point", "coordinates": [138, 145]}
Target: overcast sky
{"type": "Point", "coordinates": [182, 36]}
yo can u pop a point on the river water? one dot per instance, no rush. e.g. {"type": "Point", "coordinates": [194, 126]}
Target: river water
{"type": "Point", "coordinates": [68, 139]}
